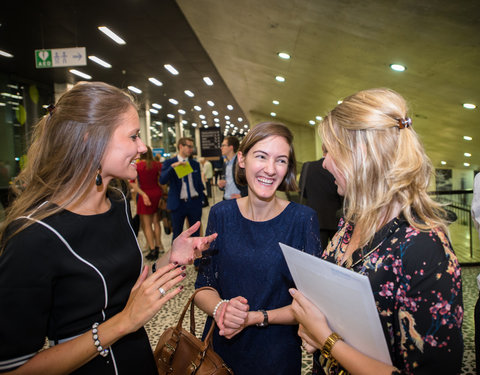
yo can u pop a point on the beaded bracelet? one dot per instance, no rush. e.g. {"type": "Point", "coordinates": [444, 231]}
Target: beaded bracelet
{"type": "Point", "coordinates": [218, 305]}
{"type": "Point", "coordinates": [96, 341]}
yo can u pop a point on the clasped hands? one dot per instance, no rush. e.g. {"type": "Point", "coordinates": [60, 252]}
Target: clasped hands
{"type": "Point", "coordinates": [233, 316]}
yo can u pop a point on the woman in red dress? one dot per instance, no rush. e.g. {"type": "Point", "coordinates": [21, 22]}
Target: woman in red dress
{"type": "Point", "coordinates": [149, 194]}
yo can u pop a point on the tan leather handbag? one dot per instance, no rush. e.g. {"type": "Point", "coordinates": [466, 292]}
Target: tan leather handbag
{"type": "Point", "coordinates": [180, 352]}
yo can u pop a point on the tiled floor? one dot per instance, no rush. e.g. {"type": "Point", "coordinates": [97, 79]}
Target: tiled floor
{"type": "Point", "coordinates": [168, 316]}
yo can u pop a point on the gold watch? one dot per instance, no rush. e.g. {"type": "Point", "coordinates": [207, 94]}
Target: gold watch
{"type": "Point", "coordinates": [329, 342]}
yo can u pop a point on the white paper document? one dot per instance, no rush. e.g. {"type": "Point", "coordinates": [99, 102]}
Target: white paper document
{"type": "Point", "coordinates": [346, 299]}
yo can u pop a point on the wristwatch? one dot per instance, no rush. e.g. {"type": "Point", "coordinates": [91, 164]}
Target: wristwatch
{"type": "Point", "coordinates": [265, 319]}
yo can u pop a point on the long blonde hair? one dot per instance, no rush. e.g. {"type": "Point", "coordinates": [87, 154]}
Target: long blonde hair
{"type": "Point", "coordinates": [383, 165]}
{"type": "Point", "coordinates": [67, 149]}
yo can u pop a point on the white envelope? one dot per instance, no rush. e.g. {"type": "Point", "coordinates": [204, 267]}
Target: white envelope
{"type": "Point", "coordinates": [346, 299]}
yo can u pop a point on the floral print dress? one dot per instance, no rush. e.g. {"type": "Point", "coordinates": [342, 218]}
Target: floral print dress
{"type": "Point", "coordinates": [416, 283]}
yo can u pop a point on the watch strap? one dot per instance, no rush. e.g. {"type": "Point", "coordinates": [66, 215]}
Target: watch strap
{"type": "Point", "coordinates": [265, 319]}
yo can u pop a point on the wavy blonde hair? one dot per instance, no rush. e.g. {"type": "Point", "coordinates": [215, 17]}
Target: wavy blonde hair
{"type": "Point", "coordinates": [383, 165]}
{"type": "Point", "coordinates": [66, 152]}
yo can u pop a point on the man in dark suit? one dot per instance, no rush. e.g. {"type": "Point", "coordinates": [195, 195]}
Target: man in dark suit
{"type": "Point", "coordinates": [320, 191]}
{"type": "Point", "coordinates": [228, 183]}
{"type": "Point", "coordinates": [185, 194]}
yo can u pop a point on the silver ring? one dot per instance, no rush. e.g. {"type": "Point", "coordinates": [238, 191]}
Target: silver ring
{"type": "Point", "coordinates": [162, 291]}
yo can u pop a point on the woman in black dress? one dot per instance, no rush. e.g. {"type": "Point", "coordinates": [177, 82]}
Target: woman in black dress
{"type": "Point", "coordinates": [70, 266]}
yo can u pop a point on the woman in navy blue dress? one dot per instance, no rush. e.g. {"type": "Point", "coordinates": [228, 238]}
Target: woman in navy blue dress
{"type": "Point", "coordinates": [256, 331]}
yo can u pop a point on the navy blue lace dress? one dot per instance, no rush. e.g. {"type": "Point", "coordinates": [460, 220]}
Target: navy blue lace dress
{"type": "Point", "coordinates": [246, 260]}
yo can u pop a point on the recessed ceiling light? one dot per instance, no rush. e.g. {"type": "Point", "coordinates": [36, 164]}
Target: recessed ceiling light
{"type": "Point", "coordinates": [319, 118]}
{"type": "Point", "coordinates": [443, 162]}
{"type": "Point", "coordinates": [283, 55]}
{"type": "Point", "coordinates": [99, 61]}
{"type": "Point", "coordinates": [398, 67]}
{"type": "Point", "coordinates": [339, 101]}
{"type": "Point", "coordinates": [469, 106]}
{"type": "Point", "coordinates": [5, 54]}
{"type": "Point", "coordinates": [240, 119]}
{"type": "Point", "coordinates": [467, 154]}
{"type": "Point", "coordinates": [227, 117]}
{"type": "Point", "coordinates": [155, 81]}
{"type": "Point", "coordinates": [311, 122]}
{"type": "Point", "coordinates": [154, 111]}
{"type": "Point", "coordinates": [202, 117]}
{"type": "Point", "coordinates": [111, 34]}
{"type": "Point", "coordinates": [173, 101]}
{"type": "Point", "coordinates": [197, 108]}
{"type": "Point", "coordinates": [280, 79]}
{"type": "Point", "coordinates": [245, 125]}
{"type": "Point", "coordinates": [228, 122]}
{"type": "Point", "coordinates": [171, 69]}
{"type": "Point", "coordinates": [216, 119]}
{"type": "Point", "coordinates": [189, 93]}
{"type": "Point", "coordinates": [170, 115]}
{"type": "Point", "coordinates": [208, 81]}
{"type": "Point", "coordinates": [80, 74]}
{"type": "Point", "coordinates": [466, 164]}
{"type": "Point", "coordinates": [204, 122]}
{"type": "Point", "coordinates": [230, 107]}
{"type": "Point", "coordinates": [158, 106]}
{"type": "Point", "coordinates": [467, 138]}
{"type": "Point", "coordinates": [136, 90]}
{"type": "Point", "coordinates": [210, 103]}
{"type": "Point", "coordinates": [215, 113]}
{"type": "Point", "coordinates": [276, 102]}
{"type": "Point", "coordinates": [217, 125]}
{"type": "Point", "coordinates": [185, 122]}
{"type": "Point", "coordinates": [194, 124]}
{"type": "Point", "coordinates": [181, 111]}
{"type": "Point", "coordinates": [273, 114]}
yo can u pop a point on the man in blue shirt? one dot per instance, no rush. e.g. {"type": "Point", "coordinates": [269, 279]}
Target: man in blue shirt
{"type": "Point", "coordinates": [229, 152]}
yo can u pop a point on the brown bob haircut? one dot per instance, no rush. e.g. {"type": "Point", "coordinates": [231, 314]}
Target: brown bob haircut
{"type": "Point", "coordinates": [259, 133]}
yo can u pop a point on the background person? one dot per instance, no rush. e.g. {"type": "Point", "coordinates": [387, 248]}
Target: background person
{"type": "Point", "coordinates": [232, 188]}
{"type": "Point", "coordinates": [393, 233]}
{"type": "Point", "coordinates": [70, 266]}
{"type": "Point", "coordinates": [257, 333]}
{"type": "Point", "coordinates": [184, 194]}
{"type": "Point", "coordinates": [149, 195]}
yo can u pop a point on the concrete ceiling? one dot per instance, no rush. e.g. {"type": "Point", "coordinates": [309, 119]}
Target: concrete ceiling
{"type": "Point", "coordinates": [337, 47]}
{"type": "Point", "coordinates": [342, 46]}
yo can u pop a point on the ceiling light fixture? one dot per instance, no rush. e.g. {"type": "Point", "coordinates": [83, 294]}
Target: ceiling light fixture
{"type": "Point", "coordinates": [443, 162]}
{"type": "Point", "coordinates": [276, 102]}
{"type": "Point", "coordinates": [202, 117]}
{"type": "Point", "coordinates": [280, 79]}
{"type": "Point", "coordinates": [467, 138]}
{"type": "Point", "coordinates": [155, 81]}
{"type": "Point", "coordinates": [398, 67]}
{"type": "Point", "coordinates": [208, 81]}
{"type": "Point", "coordinates": [227, 117]}
{"type": "Point", "coordinates": [171, 69]}
{"type": "Point", "coordinates": [469, 106]}
{"type": "Point", "coordinates": [181, 111]}
{"type": "Point", "coordinates": [197, 108]}
{"type": "Point", "coordinates": [5, 54]}
{"type": "Point", "coordinates": [111, 34]}
{"type": "Point", "coordinates": [80, 74]}
{"type": "Point", "coordinates": [230, 107]}
{"type": "Point", "coordinates": [189, 93]}
{"type": "Point", "coordinates": [215, 113]}
{"type": "Point", "coordinates": [136, 90]}
{"type": "Point", "coordinates": [217, 125]}
{"type": "Point", "coordinates": [466, 164]}
{"type": "Point", "coordinates": [467, 154]}
{"type": "Point", "coordinates": [170, 115]}
{"type": "Point", "coordinates": [99, 61]}
{"type": "Point", "coordinates": [311, 122]}
{"type": "Point", "coordinates": [173, 101]}
{"type": "Point", "coordinates": [318, 118]}
{"type": "Point", "coordinates": [154, 111]}
{"type": "Point", "coordinates": [210, 103]}
{"type": "Point", "coordinates": [273, 114]}
{"type": "Point", "coordinates": [339, 101]}
{"type": "Point", "coordinates": [158, 106]}
{"type": "Point", "coordinates": [240, 119]}
{"type": "Point", "coordinates": [283, 55]}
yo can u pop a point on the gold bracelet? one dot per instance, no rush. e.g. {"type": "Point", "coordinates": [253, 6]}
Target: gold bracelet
{"type": "Point", "coordinates": [329, 342]}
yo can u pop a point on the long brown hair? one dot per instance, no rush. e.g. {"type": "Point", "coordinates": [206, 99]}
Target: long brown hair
{"type": "Point", "coordinates": [67, 149]}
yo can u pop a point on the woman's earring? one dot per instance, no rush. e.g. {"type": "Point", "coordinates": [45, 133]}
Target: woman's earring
{"type": "Point", "coordinates": [98, 179]}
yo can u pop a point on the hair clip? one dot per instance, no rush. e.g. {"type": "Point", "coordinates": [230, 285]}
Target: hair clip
{"type": "Point", "coordinates": [51, 108]}
{"type": "Point", "coordinates": [404, 122]}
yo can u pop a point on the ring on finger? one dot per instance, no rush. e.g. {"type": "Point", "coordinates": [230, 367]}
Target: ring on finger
{"type": "Point", "coordinates": [162, 291]}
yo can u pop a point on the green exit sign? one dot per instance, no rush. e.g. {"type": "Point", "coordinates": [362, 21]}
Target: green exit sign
{"type": "Point", "coordinates": [60, 57]}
